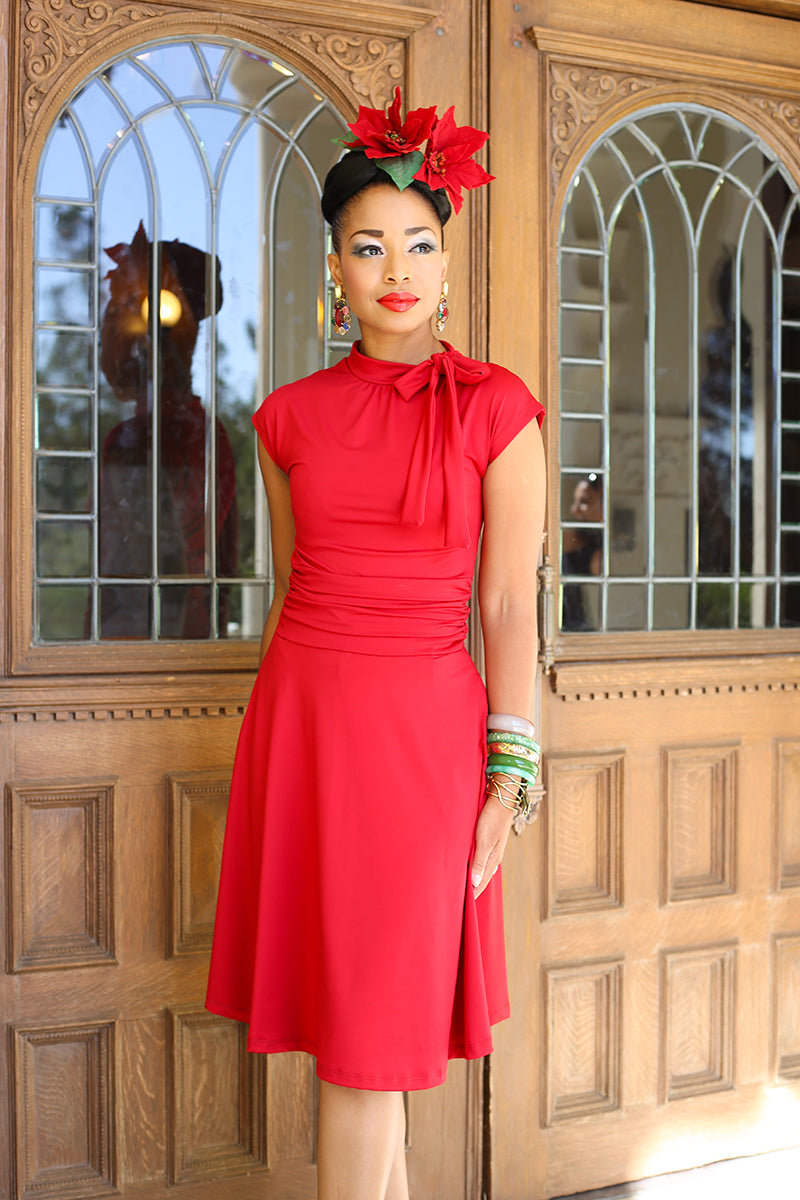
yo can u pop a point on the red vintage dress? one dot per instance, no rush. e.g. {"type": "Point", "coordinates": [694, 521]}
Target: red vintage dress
{"type": "Point", "coordinates": [346, 925]}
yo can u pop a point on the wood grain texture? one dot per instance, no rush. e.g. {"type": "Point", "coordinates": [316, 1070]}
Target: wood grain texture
{"type": "Point", "coordinates": [64, 1130]}
{"type": "Point", "coordinates": [786, 1005]}
{"type": "Point", "coordinates": [583, 819]}
{"type": "Point", "coordinates": [787, 814]}
{"type": "Point", "coordinates": [699, 802]}
{"type": "Point", "coordinates": [217, 1114]}
{"type": "Point", "coordinates": [60, 876]}
{"type": "Point", "coordinates": [584, 1040]}
{"type": "Point", "coordinates": [199, 804]}
{"type": "Point", "coordinates": [698, 1014]}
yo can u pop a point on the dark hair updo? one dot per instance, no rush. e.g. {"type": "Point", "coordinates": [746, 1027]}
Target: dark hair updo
{"type": "Point", "coordinates": [353, 174]}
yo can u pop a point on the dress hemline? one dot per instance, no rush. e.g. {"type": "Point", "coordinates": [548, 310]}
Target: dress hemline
{"type": "Point", "coordinates": [356, 1079]}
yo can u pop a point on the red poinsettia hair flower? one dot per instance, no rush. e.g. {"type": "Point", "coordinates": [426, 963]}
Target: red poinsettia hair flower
{"type": "Point", "coordinates": [448, 159]}
{"type": "Point", "coordinates": [383, 135]}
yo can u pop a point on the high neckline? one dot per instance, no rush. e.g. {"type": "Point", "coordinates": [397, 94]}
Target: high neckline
{"type": "Point", "coordinates": [383, 370]}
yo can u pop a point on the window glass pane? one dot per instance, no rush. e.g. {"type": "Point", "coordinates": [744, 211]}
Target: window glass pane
{"type": "Point", "coordinates": [207, 161]}
{"type": "Point", "coordinates": [671, 606]}
{"type": "Point", "coordinates": [64, 297]}
{"type": "Point", "coordinates": [63, 421]}
{"type": "Point", "coordinates": [581, 388]}
{"type": "Point", "coordinates": [581, 444]}
{"type": "Point", "coordinates": [714, 605]}
{"type": "Point", "coordinates": [125, 611]}
{"type": "Point", "coordinates": [62, 612]}
{"type": "Point", "coordinates": [65, 232]}
{"type": "Point", "coordinates": [581, 607]}
{"type": "Point", "coordinates": [696, 388]}
{"type": "Point", "coordinates": [64, 485]}
{"type": "Point", "coordinates": [790, 604]}
{"type": "Point", "coordinates": [581, 334]}
{"type": "Point", "coordinates": [64, 548]}
{"type": "Point", "coordinates": [64, 170]}
{"type": "Point", "coordinates": [64, 359]}
{"type": "Point", "coordinates": [627, 606]}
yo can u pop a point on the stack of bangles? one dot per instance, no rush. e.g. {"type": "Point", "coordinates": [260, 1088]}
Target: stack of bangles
{"type": "Point", "coordinates": [513, 763]}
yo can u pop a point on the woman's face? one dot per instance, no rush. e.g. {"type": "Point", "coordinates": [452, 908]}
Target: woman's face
{"type": "Point", "coordinates": [391, 262]}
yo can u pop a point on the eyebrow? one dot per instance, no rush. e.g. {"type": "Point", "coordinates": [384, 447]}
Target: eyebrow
{"type": "Point", "coordinates": [379, 232]}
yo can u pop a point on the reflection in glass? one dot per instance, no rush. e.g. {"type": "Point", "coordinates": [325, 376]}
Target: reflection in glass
{"type": "Point", "coordinates": [680, 240]}
{"type": "Point", "coordinates": [180, 249]}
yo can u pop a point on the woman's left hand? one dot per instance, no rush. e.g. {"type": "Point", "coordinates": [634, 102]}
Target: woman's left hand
{"type": "Point", "coordinates": [491, 835]}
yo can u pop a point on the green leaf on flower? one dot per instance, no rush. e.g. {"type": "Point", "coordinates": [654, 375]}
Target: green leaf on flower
{"type": "Point", "coordinates": [401, 168]}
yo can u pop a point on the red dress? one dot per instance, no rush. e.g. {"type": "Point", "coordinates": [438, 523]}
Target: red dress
{"type": "Point", "coordinates": [346, 925]}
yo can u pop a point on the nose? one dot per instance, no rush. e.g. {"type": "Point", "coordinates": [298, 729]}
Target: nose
{"type": "Point", "coordinates": [397, 268]}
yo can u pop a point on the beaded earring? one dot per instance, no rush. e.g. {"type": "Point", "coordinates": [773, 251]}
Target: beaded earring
{"type": "Point", "coordinates": [441, 311]}
{"type": "Point", "coordinates": [341, 311]}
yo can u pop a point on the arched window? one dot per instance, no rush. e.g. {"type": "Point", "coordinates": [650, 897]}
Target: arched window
{"type": "Point", "coordinates": [179, 277]}
{"type": "Point", "coordinates": [679, 365]}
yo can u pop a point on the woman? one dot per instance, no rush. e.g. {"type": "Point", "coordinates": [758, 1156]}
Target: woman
{"type": "Point", "coordinates": [359, 915]}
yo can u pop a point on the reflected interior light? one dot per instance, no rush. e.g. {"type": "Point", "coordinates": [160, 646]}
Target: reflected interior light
{"type": "Point", "coordinates": [320, 314]}
{"type": "Point", "coordinates": [279, 67]}
{"type": "Point", "coordinates": [169, 308]}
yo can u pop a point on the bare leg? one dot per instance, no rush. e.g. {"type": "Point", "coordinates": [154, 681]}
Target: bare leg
{"type": "Point", "coordinates": [398, 1180]}
{"type": "Point", "coordinates": [358, 1143]}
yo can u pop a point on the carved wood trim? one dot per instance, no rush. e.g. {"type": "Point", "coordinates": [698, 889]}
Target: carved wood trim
{"type": "Point", "coordinates": [771, 8]}
{"type": "Point", "coordinates": [198, 803]}
{"type": "Point", "coordinates": [201, 1093]}
{"type": "Point", "coordinates": [698, 989]}
{"type": "Point", "coordinates": [786, 1005]}
{"type": "Point", "coordinates": [133, 698]}
{"type": "Point", "coordinates": [698, 783]}
{"type": "Point", "coordinates": [60, 836]}
{"type": "Point", "coordinates": [786, 808]}
{"type": "Point", "coordinates": [83, 1078]}
{"type": "Point", "coordinates": [583, 843]}
{"type": "Point", "coordinates": [367, 65]}
{"type": "Point", "coordinates": [655, 678]}
{"type": "Point", "coordinates": [583, 1003]}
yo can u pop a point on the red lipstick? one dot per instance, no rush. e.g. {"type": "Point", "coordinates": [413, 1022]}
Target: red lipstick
{"type": "Point", "coordinates": [399, 301]}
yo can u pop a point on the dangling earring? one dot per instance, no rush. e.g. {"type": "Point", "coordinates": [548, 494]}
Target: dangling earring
{"type": "Point", "coordinates": [441, 311]}
{"type": "Point", "coordinates": [341, 311]}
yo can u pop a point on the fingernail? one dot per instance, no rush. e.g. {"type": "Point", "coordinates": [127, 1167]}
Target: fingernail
{"type": "Point", "coordinates": [476, 879]}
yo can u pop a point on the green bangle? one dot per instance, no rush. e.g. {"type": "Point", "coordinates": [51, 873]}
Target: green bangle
{"type": "Point", "coordinates": [517, 739]}
{"type": "Point", "coordinates": [511, 760]}
{"type": "Point", "coordinates": [526, 775]}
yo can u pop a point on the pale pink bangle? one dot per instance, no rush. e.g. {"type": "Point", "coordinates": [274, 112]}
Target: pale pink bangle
{"type": "Point", "coordinates": [510, 724]}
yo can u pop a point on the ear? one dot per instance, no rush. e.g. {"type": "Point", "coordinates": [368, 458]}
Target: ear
{"type": "Point", "coordinates": [335, 268]}
{"type": "Point", "coordinates": [445, 263]}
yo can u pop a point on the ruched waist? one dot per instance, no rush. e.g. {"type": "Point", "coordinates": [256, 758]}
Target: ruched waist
{"type": "Point", "coordinates": [375, 616]}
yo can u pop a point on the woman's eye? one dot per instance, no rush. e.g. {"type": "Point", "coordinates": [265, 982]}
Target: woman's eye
{"type": "Point", "coordinates": [423, 248]}
{"type": "Point", "coordinates": [367, 251]}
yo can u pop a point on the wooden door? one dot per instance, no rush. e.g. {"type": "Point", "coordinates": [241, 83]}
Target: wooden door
{"type": "Point", "coordinates": [116, 743]}
{"type": "Point", "coordinates": [654, 913]}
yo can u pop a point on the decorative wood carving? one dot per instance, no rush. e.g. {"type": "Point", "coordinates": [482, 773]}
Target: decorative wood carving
{"type": "Point", "coordinates": [787, 814]}
{"type": "Point", "coordinates": [63, 1089]}
{"type": "Point", "coordinates": [199, 804]}
{"type": "Point", "coordinates": [62, 29]}
{"type": "Point", "coordinates": [699, 785]}
{"type": "Point", "coordinates": [786, 977]}
{"type": "Point", "coordinates": [584, 1040]}
{"type": "Point", "coordinates": [578, 97]}
{"type": "Point", "coordinates": [657, 677]}
{"type": "Point", "coordinates": [368, 65]}
{"type": "Point", "coordinates": [583, 817]}
{"type": "Point", "coordinates": [59, 864]}
{"type": "Point", "coordinates": [698, 1022]}
{"type": "Point", "coordinates": [218, 1097]}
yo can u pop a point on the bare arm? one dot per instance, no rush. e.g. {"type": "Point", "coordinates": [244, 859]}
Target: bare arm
{"type": "Point", "coordinates": [281, 524]}
{"type": "Point", "coordinates": [513, 506]}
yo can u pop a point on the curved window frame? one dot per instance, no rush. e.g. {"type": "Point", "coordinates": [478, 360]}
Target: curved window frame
{"type": "Point", "coordinates": [607, 645]}
{"type": "Point", "coordinates": [27, 656]}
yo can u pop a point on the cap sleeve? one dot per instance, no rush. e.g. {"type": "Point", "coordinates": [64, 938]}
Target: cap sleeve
{"type": "Point", "coordinates": [513, 407]}
{"type": "Point", "coordinates": [267, 422]}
